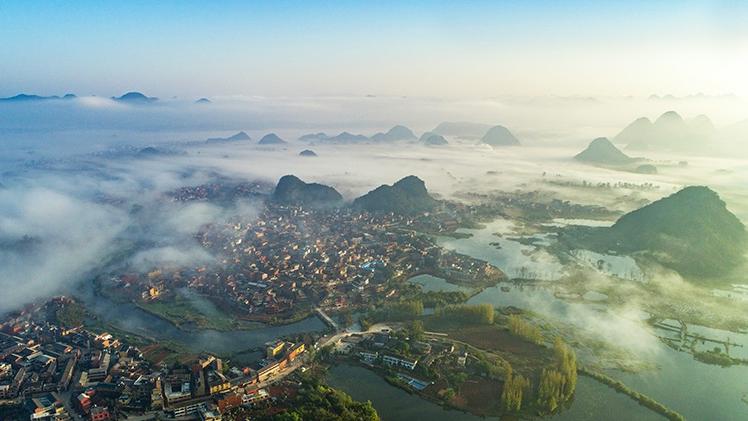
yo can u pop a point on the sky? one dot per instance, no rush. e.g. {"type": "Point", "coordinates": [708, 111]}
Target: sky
{"type": "Point", "coordinates": [417, 48]}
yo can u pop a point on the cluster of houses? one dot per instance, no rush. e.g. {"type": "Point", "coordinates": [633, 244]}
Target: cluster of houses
{"type": "Point", "coordinates": [276, 265]}
{"type": "Point", "coordinates": [53, 373]}
{"type": "Point", "coordinates": [41, 361]}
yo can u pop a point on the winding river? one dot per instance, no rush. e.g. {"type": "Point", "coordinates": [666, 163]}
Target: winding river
{"type": "Point", "coordinates": [131, 318]}
{"type": "Point", "coordinates": [696, 390]}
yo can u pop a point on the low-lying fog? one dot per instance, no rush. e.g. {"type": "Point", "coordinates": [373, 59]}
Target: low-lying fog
{"type": "Point", "coordinates": [70, 198]}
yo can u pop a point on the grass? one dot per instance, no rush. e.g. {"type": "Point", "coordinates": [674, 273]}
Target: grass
{"type": "Point", "coordinates": [187, 312]}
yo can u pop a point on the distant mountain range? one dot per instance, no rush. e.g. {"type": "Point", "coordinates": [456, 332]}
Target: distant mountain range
{"type": "Point", "coordinates": [347, 137]}
{"type": "Point", "coordinates": [462, 129]}
{"type": "Point", "coordinates": [31, 98]}
{"type": "Point", "coordinates": [130, 97]}
{"type": "Point", "coordinates": [271, 139]}
{"type": "Point", "coordinates": [691, 231]}
{"type": "Point", "coordinates": [135, 98]}
{"type": "Point", "coordinates": [433, 139]}
{"type": "Point", "coordinates": [292, 191]}
{"type": "Point", "coordinates": [602, 151]}
{"type": "Point", "coordinates": [235, 138]}
{"type": "Point", "coordinates": [394, 134]}
{"type": "Point", "coordinates": [499, 136]}
{"type": "Point", "coordinates": [670, 132]}
{"type": "Point", "coordinates": [313, 136]}
{"type": "Point", "coordinates": [308, 153]}
{"type": "Point", "coordinates": [646, 169]}
{"type": "Point", "coordinates": [343, 137]}
{"type": "Point", "coordinates": [407, 196]}
{"type": "Point", "coordinates": [397, 133]}
{"type": "Point", "coordinates": [203, 101]}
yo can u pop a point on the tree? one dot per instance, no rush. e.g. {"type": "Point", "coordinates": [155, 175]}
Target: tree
{"type": "Point", "coordinates": [557, 384]}
{"type": "Point", "coordinates": [415, 330]}
{"type": "Point", "coordinates": [513, 392]}
{"type": "Point", "coordinates": [469, 314]}
{"type": "Point", "coordinates": [523, 329]}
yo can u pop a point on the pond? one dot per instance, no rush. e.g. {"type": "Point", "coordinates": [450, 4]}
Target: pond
{"type": "Point", "coordinates": [131, 318]}
{"type": "Point", "coordinates": [436, 284]}
{"type": "Point", "coordinates": [515, 259]}
{"type": "Point", "coordinates": [593, 401]}
{"type": "Point", "coordinates": [696, 390]}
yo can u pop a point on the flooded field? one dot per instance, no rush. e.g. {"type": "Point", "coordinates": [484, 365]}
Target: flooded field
{"type": "Point", "coordinates": [697, 390]}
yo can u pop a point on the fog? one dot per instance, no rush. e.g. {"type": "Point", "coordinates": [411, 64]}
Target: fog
{"type": "Point", "coordinates": [72, 195]}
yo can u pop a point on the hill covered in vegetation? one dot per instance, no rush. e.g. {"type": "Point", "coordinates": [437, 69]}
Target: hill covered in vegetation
{"type": "Point", "coordinates": [691, 231]}
{"type": "Point", "coordinates": [291, 190]}
{"type": "Point", "coordinates": [407, 196]}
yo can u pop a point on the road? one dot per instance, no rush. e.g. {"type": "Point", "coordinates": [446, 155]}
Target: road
{"type": "Point", "coordinates": [375, 328]}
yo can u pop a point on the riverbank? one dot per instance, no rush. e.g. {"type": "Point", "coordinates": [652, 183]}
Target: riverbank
{"type": "Point", "coordinates": [642, 399]}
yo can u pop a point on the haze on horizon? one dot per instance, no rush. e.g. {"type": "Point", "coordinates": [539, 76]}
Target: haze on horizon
{"type": "Point", "coordinates": [425, 49]}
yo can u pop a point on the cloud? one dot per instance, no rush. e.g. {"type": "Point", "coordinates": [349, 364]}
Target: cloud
{"type": "Point", "coordinates": [49, 241]}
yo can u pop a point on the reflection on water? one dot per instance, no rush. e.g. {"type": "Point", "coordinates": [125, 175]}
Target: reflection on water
{"type": "Point", "coordinates": [696, 390]}
{"type": "Point", "coordinates": [515, 259]}
{"type": "Point", "coordinates": [593, 401]}
{"type": "Point", "coordinates": [623, 267]}
{"type": "Point", "coordinates": [131, 318]}
{"type": "Point", "coordinates": [434, 283]}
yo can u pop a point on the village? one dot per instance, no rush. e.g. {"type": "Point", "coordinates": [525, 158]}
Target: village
{"type": "Point", "coordinates": [278, 267]}
{"type": "Point", "coordinates": [49, 371]}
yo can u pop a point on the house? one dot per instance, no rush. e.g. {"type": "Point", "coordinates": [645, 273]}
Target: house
{"type": "Point", "coordinates": [275, 348]}
{"type": "Point", "coordinates": [368, 357]}
{"type": "Point", "coordinates": [100, 413]}
{"type": "Point", "coordinates": [399, 362]}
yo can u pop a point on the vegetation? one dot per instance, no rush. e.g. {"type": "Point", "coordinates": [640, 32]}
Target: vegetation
{"type": "Point", "coordinates": [602, 151]}
{"type": "Point", "coordinates": [399, 311]}
{"type": "Point", "coordinates": [643, 400]}
{"type": "Point", "coordinates": [71, 314]}
{"type": "Point", "coordinates": [415, 330]}
{"type": "Point", "coordinates": [316, 401]}
{"type": "Point", "coordinates": [557, 384]}
{"type": "Point", "coordinates": [525, 330]}
{"type": "Point", "coordinates": [291, 190]}
{"type": "Point", "coordinates": [481, 314]}
{"type": "Point", "coordinates": [492, 369]}
{"type": "Point", "coordinates": [442, 298]}
{"type": "Point", "coordinates": [407, 196]}
{"type": "Point", "coordinates": [716, 357]}
{"type": "Point", "coordinates": [515, 390]}
{"type": "Point", "coordinates": [691, 231]}
{"type": "Point", "coordinates": [186, 310]}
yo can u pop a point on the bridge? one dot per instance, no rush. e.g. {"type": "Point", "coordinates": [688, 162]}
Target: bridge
{"type": "Point", "coordinates": [327, 319]}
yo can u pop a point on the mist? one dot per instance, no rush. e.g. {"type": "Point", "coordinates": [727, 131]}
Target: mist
{"type": "Point", "coordinates": [73, 196]}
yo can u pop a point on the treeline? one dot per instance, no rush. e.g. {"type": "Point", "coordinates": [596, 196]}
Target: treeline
{"type": "Point", "coordinates": [523, 329]}
{"type": "Point", "coordinates": [557, 384]}
{"type": "Point", "coordinates": [441, 298]}
{"type": "Point", "coordinates": [716, 357]}
{"type": "Point", "coordinates": [643, 400]}
{"type": "Point", "coordinates": [320, 402]}
{"type": "Point", "coordinates": [481, 314]}
{"type": "Point", "coordinates": [395, 312]}
{"type": "Point", "coordinates": [516, 391]}
{"type": "Point", "coordinates": [315, 401]}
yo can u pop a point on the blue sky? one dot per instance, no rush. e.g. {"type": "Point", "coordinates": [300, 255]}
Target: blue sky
{"type": "Point", "coordinates": [424, 48]}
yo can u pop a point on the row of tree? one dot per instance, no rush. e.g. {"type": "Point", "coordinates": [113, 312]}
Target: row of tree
{"type": "Point", "coordinates": [516, 389]}
{"type": "Point", "coordinates": [557, 384]}
{"type": "Point", "coordinates": [481, 314]}
{"type": "Point", "coordinates": [398, 311]}
{"type": "Point", "coordinates": [523, 329]}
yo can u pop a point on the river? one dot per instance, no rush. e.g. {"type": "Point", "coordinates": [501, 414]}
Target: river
{"type": "Point", "coordinates": [592, 401]}
{"type": "Point", "coordinates": [697, 390]}
{"type": "Point", "coordinates": [131, 318]}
